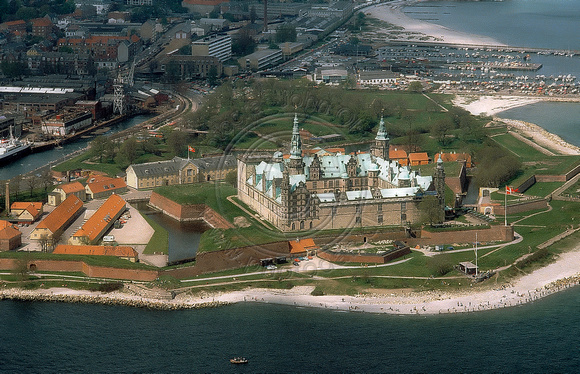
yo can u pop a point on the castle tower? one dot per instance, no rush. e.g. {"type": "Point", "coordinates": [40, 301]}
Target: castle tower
{"type": "Point", "coordinates": [440, 182]}
{"type": "Point", "coordinates": [296, 164]}
{"type": "Point", "coordinates": [380, 148]}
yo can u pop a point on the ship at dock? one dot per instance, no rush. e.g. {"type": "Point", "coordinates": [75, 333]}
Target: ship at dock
{"type": "Point", "coordinates": [12, 147]}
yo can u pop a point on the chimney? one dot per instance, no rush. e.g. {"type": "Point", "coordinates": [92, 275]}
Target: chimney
{"type": "Point", "coordinates": [265, 15]}
{"type": "Point", "coordinates": [7, 198]}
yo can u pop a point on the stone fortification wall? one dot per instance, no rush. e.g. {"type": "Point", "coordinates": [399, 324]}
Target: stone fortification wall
{"type": "Point", "coordinates": [80, 266]}
{"type": "Point", "coordinates": [572, 173]}
{"type": "Point", "coordinates": [189, 212]}
{"type": "Point", "coordinates": [365, 259]}
{"type": "Point", "coordinates": [494, 233]}
{"type": "Point", "coordinates": [551, 178]}
{"type": "Point", "coordinates": [396, 234]}
{"type": "Point", "coordinates": [208, 262]}
{"type": "Point", "coordinates": [524, 206]}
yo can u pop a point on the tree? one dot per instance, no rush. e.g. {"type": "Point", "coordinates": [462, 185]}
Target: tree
{"type": "Point", "coordinates": [98, 146]}
{"type": "Point", "coordinates": [46, 180]}
{"type": "Point", "coordinates": [243, 44]}
{"type": "Point", "coordinates": [415, 87]}
{"type": "Point", "coordinates": [31, 183]}
{"type": "Point", "coordinates": [129, 149]}
{"type": "Point", "coordinates": [253, 15]}
{"type": "Point", "coordinates": [440, 265]}
{"type": "Point", "coordinates": [495, 166]}
{"type": "Point", "coordinates": [441, 129]}
{"type": "Point", "coordinates": [47, 243]}
{"type": "Point", "coordinates": [232, 178]}
{"type": "Point", "coordinates": [286, 33]}
{"type": "Point", "coordinates": [177, 142]}
{"type": "Point", "coordinates": [15, 184]}
{"type": "Point", "coordinates": [431, 210]}
{"type": "Point", "coordinates": [212, 75]}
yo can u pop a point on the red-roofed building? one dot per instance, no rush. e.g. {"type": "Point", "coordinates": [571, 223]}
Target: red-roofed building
{"type": "Point", "coordinates": [454, 156]}
{"type": "Point", "coordinates": [53, 225]}
{"type": "Point", "coordinates": [26, 211]}
{"type": "Point", "coordinates": [60, 193]}
{"type": "Point", "coordinates": [104, 186]}
{"type": "Point", "coordinates": [42, 27]}
{"type": "Point", "coordinates": [302, 247]}
{"type": "Point", "coordinates": [418, 158]}
{"type": "Point", "coordinates": [10, 236]}
{"type": "Point", "coordinates": [125, 253]}
{"type": "Point", "coordinates": [101, 221]}
{"type": "Point", "coordinates": [12, 26]}
{"type": "Point", "coordinates": [399, 155]}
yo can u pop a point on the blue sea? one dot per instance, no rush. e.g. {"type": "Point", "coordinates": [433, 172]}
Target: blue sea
{"type": "Point", "coordinates": [522, 23]}
{"type": "Point", "coordinates": [542, 337]}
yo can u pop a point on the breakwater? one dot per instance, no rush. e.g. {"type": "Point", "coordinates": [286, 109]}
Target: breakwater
{"type": "Point", "coordinates": [115, 298]}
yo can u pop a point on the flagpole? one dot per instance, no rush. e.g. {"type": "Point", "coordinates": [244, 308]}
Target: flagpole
{"type": "Point", "coordinates": [505, 208]}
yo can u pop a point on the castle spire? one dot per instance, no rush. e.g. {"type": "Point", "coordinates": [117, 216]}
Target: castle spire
{"type": "Point", "coordinates": [382, 133]}
{"type": "Point", "coordinates": [296, 143]}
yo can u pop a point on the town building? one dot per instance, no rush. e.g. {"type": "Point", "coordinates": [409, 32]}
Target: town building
{"type": "Point", "coordinates": [179, 171]}
{"type": "Point", "coordinates": [330, 76]}
{"type": "Point", "coordinates": [10, 236]}
{"type": "Point", "coordinates": [42, 27]}
{"type": "Point", "coordinates": [188, 67]}
{"type": "Point", "coordinates": [217, 45]}
{"type": "Point", "coordinates": [418, 158]}
{"type": "Point", "coordinates": [336, 191]}
{"type": "Point", "coordinates": [53, 225]}
{"type": "Point", "coordinates": [63, 124]}
{"type": "Point", "coordinates": [102, 187]}
{"type": "Point", "coordinates": [378, 78]}
{"type": "Point", "coordinates": [123, 252]}
{"type": "Point", "coordinates": [7, 127]}
{"type": "Point", "coordinates": [60, 193]}
{"type": "Point", "coordinates": [25, 211]}
{"type": "Point", "coordinates": [202, 6]}
{"type": "Point", "coordinates": [100, 222]}
{"type": "Point", "coordinates": [261, 59]}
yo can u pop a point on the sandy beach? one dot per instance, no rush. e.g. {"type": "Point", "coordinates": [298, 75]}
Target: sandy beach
{"type": "Point", "coordinates": [418, 30]}
{"type": "Point", "coordinates": [560, 275]}
{"type": "Point", "coordinates": [491, 105]}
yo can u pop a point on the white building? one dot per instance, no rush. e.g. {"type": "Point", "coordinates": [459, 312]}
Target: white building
{"type": "Point", "coordinates": [219, 46]}
{"type": "Point", "coordinates": [261, 59]}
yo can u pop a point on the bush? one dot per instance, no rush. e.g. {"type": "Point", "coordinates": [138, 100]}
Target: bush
{"type": "Point", "coordinates": [110, 286]}
{"type": "Point", "coordinates": [439, 265]}
{"type": "Point", "coordinates": [317, 292]}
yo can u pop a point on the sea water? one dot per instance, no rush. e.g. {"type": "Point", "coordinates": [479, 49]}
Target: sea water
{"type": "Point", "coordinates": [542, 337]}
{"type": "Point", "coordinates": [522, 23]}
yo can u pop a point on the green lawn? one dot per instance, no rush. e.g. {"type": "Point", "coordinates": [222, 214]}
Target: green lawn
{"type": "Point", "coordinates": [543, 189]}
{"type": "Point", "coordinates": [108, 261]}
{"type": "Point", "coordinates": [521, 149]}
{"type": "Point", "coordinates": [159, 242]}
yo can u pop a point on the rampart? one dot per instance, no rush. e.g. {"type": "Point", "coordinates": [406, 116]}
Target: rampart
{"type": "Point", "coordinates": [363, 258]}
{"type": "Point", "coordinates": [494, 233]}
{"type": "Point", "coordinates": [189, 212]}
{"type": "Point", "coordinates": [80, 266]}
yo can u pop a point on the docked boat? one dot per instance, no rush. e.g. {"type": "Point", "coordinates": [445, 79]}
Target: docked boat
{"type": "Point", "coordinates": [239, 360]}
{"type": "Point", "coordinates": [12, 147]}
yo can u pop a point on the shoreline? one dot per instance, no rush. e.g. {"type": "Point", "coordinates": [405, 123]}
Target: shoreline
{"type": "Point", "coordinates": [557, 276]}
{"type": "Point", "coordinates": [492, 105]}
{"type": "Point", "coordinates": [417, 30]}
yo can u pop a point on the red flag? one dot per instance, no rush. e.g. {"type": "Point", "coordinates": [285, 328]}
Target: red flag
{"type": "Point", "coordinates": [190, 148]}
{"type": "Point", "coordinates": [509, 190]}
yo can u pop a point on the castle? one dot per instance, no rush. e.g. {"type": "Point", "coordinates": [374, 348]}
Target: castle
{"type": "Point", "coordinates": [335, 191]}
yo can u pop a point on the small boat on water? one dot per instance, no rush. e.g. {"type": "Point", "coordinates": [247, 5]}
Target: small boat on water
{"type": "Point", "coordinates": [239, 360]}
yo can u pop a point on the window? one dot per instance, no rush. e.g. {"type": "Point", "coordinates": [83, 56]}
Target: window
{"type": "Point", "coordinates": [301, 225]}
{"type": "Point", "coordinates": [403, 217]}
{"type": "Point", "coordinates": [403, 206]}
{"type": "Point", "coordinates": [358, 220]}
{"type": "Point", "coordinates": [380, 219]}
{"type": "Point", "coordinates": [293, 226]}
{"type": "Point", "coordinates": [358, 209]}
{"type": "Point", "coordinates": [334, 211]}
{"type": "Point", "coordinates": [380, 208]}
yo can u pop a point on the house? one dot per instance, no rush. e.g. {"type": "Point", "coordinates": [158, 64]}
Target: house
{"type": "Point", "coordinates": [42, 27]}
{"type": "Point", "coordinates": [10, 236]}
{"type": "Point", "coordinates": [456, 157]}
{"type": "Point", "coordinates": [399, 155]}
{"type": "Point", "coordinates": [179, 171]}
{"type": "Point", "coordinates": [101, 221]}
{"type": "Point", "coordinates": [104, 187]}
{"type": "Point", "coordinates": [63, 191]}
{"type": "Point", "coordinates": [418, 158]}
{"type": "Point", "coordinates": [53, 225]}
{"type": "Point", "coordinates": [303, 247]}
{"type": "Point", "coordinates": [125, 253]}
{"type": "Point", "coordinates": [26, 211]}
